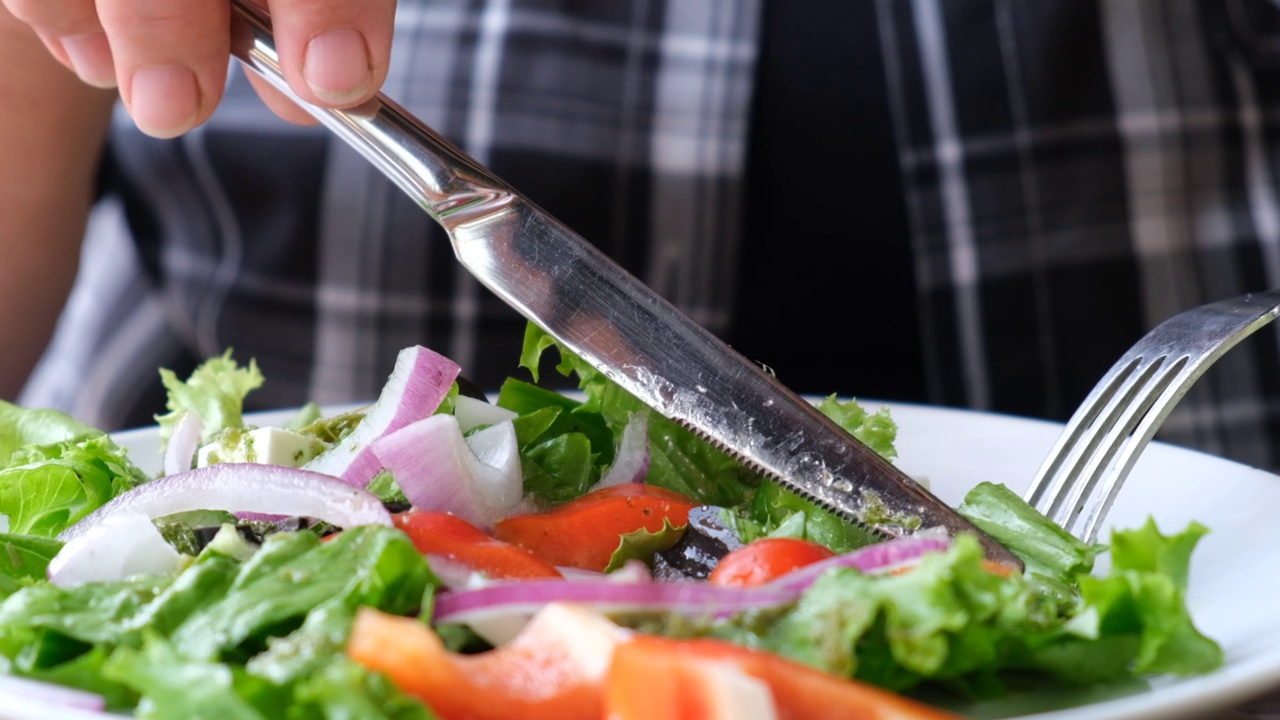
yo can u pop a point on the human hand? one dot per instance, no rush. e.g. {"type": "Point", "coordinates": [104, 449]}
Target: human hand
{"type": "Point", "coordinates": [169, 57]}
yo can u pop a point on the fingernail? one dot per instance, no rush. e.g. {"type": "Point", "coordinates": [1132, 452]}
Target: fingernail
{"type": "Point", "coordinates": [90, 55]}
{"type": "Point", "coordinates": [164, 100]}
{"type": "Point", "coordinates": [336, 67]}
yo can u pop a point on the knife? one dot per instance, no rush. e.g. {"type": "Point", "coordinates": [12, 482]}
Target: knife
{"type": "Point", "coordinates": [614, 322]}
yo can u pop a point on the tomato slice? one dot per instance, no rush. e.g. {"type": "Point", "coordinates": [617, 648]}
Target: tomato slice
{"type": "Point", "coordinates": [584, 533]}
{"type": "Point", "coordinates": [761, 561]}
{"type": "Point", "coordinates": [799, 692]}
{"type": "Point", "coordinates": [553, 670]}
{"type": "Point", "coordinates": [449, 536]}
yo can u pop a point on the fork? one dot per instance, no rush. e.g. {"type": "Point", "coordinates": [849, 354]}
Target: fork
{"type": "Point", "coordinates": [1081, 476]}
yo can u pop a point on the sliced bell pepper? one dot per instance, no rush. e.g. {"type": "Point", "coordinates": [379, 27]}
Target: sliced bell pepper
{"type": "Point", "coordinates": [651, 667]}
{"type": "Point", "coordinates": [449, 536]}
{"type": "Point", "coordinates": [584, 533]}
{"type": "Point", "coordinates": [553, 670]}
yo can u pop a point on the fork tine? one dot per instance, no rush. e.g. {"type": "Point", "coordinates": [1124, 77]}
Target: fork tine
{"type": "Point", "coordinates": [1080, 478]}
{"type": "Point", "coordinates": [1077, 439]}
{"type": "Point", "coordinates": [1120, 433]}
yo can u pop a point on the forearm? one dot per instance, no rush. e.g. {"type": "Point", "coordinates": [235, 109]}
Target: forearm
{"type": "Point", "coordinates": [52, 128]}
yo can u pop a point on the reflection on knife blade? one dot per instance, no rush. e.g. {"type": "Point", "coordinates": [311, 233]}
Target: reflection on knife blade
{"type": "Point", "coordinates": [616, 324]}
{"type": "Point", "coordinates": [645, 345]}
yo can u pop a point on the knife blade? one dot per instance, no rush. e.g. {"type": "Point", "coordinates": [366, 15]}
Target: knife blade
{"type": "Point", "coordinates": [606, 316]}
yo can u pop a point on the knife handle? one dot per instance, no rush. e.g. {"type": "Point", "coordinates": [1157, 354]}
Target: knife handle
{"type": "Point", "coordinates": [442, 179]}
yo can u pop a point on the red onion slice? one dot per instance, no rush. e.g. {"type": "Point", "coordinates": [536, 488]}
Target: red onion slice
{"type": "Point", "coordinates": [418, 384]}
{"type": "Point", "coordinates": [879, 558]}
{"type": "Point", "coordinates": [631, 463]}
{"type": "Point", "coordinates": [183, 444]}
{"type": "Point", "coordinates": [245, 487]}
{"type": "Point", "coordinates": [502, 608]}
{"type": "Point", "coordinates": [477, 478]}
{"type": "Point", "coordinates": [47, 697]}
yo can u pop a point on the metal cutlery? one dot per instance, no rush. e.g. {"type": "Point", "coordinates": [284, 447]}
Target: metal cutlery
{"type": "Point", "coordinates": [612, 321]}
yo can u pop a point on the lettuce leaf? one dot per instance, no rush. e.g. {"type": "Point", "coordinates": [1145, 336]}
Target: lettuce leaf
{"type": "Point", "coordinates": [953, 623]}
{"type": "Point", "coordinates": [24, 559]}
{"type": "Point", "coordinates": [678, 459]}
{"type": "Point", "coordinates": [203, 626]}
{"type": "Point", "coordinates": [21, 427]}
{"type": "Point", "coordinates": [642, 545]}
{"type": "Point", "coordinates": [1046, 549]}
{"type": "Point", "coordinates": [48, 488]}
{"type": "Point", "coordinates": [215, 391]}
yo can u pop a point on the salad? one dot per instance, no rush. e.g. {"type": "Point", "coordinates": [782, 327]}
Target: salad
{"type": "Point", "coordinates": [544, 555]}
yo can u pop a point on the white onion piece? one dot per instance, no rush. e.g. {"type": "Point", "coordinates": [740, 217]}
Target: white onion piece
{"type": "Point", "coordinates": [420, 381]}
{"type": "Point", "coordinates": [477, 478]}
{"type": "Point", "coordinates": [183, 444]}
{"type": "Point", "coordinates": [631, 462]}
{"type": "Point", "coordinates": [453, 574]}
{"type": "Point", "coordinates": [121, 546]}
{"type": "Point", "coordinates": [245, 487]}
{"type": "Point", "coordinates": [632, 571]}
{"type": "Point", "coordinates": [46, 696]}
{"type": "Point", "coordinates": [472, 413]}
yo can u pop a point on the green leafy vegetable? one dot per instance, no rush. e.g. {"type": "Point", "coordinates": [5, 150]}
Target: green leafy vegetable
{"type": "Point", "coordinates": [58, 484]}
{"type": "Point", "coordinates": [21, 428]}
{"type": "Point", "coordinates": [215, 391]}
{"type": "Point", "coordinates": [678, 459]}
{"type": "Point", "coordinates": [560, 469]}
{"type": "Point", "coordinates": [208, 624]}
{"type": "Point", "coordinates": [774, 507]}
{"type": "Point", "coordinates": [952, 621]}
{"type": "Point", "coordinates": [1045, 548]}
{"type": "Point", "coordinates": [23, 559]}
{"type": "Point", "coordinates": [876, 430]}
{"type": "Point", "coordinates": [642, 545]}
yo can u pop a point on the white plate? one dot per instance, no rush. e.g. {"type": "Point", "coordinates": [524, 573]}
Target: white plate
{"type": "Point", "coordinates": [1234, 579]}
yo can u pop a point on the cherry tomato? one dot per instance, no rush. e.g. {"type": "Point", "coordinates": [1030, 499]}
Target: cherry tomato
{"type": "Point", "coordinates": [759, 562]}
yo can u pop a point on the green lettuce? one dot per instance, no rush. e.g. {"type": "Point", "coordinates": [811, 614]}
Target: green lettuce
{"type": "Point", "coordinates": [1046, 549]}
{"type": "Point", "coordinates": [951, 622]}
{"type": "Point", "coordinates": [642, 545]}
{"type": "Point", "coordinates": [22, 427]}
{"type": "Point", "coordinates": [215, 391]}
{"type": "Point", "coordinates": [24, 560]}
{"type": "Point", "coordinates": [251, 633]}
{"type": "Point", "coordinates": [48, 488]}
{"type": "Point", "coordinates": [678, 459]}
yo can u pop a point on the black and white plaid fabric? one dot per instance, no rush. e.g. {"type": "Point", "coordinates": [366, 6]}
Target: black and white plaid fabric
{"type": "Point", "coordinates": [627, 119]}
{"type": "Point", "coordinates": [965, 202]}
{"type": "Point", "coordinates": [1073, 174]}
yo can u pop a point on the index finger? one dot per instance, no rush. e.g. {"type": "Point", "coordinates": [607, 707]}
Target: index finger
{"type": "Point", "coordinates": [71, 32]}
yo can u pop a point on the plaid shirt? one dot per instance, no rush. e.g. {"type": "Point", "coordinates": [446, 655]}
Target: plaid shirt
{"type": "Point", "coordinates": [963, 202]}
